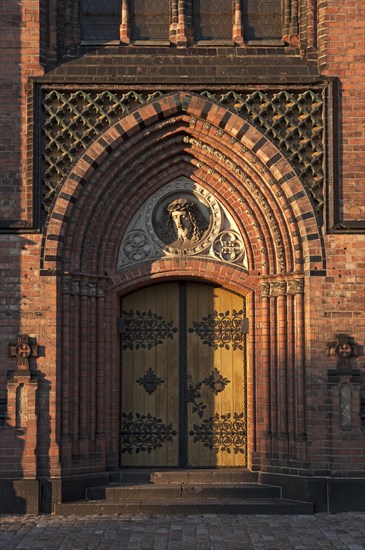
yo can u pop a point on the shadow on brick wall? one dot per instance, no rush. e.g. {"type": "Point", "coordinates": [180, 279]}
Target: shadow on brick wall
{"type": "Point", "coordinates": [13, 492]}
{"type": "Point", "coordinates": [44, 443]}
{"type": "Point", "coordinates": [20, 492]}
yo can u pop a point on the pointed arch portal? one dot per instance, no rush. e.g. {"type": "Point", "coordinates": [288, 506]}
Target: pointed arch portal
{"type": "Point", "coordinates": [182, 135]}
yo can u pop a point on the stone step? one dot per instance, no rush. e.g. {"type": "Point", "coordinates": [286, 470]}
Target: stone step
{"type": "Point", "coordinates": [226, 475]}
{"type": "Point", "coordinates": [184, 506]}
{"type": "Point", "coordinates": [116, 492]}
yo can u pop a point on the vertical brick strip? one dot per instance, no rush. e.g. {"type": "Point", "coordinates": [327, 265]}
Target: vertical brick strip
{"type": "Point", "coordinates": [181, 38]}
{"type": "Point", "coordinates": [65, 375]}
{"type": "Point", "coordinates": [282, 366]}
{"type": "Point", "coordinates": [300, 368]}
{"type": "Point", "coordinates": [112, 376]}
{"type": "Point", "coordinates": [124, 24]}
{"type": "Point", "coordinates": [273, 370]}
{"type": "Point", "coordinates": [291, 365]}
{"type": "Point", "coordinates": [311, 24]}
{"type": "Point", "coordinates": [84, 365]}
{"type": "Point", "coordinates": [237, 32]}
{"type": "Point", "coordinates": [75, 361]}
{"type": "Point", "coordinates": [265, 377]}
{"type": "Point", "coordinates": [100, 366]}
{"type": "Point", "coordinates": [251, 376]}
{"type": "Point", "coordinates": [174, 20]}
{"type": "Point", "coordinates": [92, 344]}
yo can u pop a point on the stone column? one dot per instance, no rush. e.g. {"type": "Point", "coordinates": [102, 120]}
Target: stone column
{"type": "Point", "coordinates": [290, 353]}
{"type": "Point", "coordinates": [84, 370]}
{"type": "Point", "coordinates": [264, 376]}
{"type": "Point", "coordinates": [291, 22]}
{"type": "Point", "coordinates": [311, 26]}
{"type": "Point", "coordinates": [83, 367]}
{"type": "Point", "coordinates": [174, 20]}
{"type": "Point", "coordinates": [91, 360]}
{"type": "Point", "coordinates": [124, 33]}
{"type": "Point", "coordinates": [112, 378]}
{"type": "Point", "coordinates": [300, 424]}
{"type": "Point", "coordinates": [67, 398]}
{"type": "Point", "coordinates": [273, 371]}
{"type": "Point", "coordinates": [100, 364]}
{"type": "Point", "coordinates": [237, 31]}
{"type": "Point", "coordinates": [178, 28]}
{"type": "Point", "coordinates": [282, 342]}
{"type": "Point", "coordinates": [189, 28]}
{"type": "Point", "coordinates": [75, 361]}
{"type": "Point", "coordinates": [282, 358]}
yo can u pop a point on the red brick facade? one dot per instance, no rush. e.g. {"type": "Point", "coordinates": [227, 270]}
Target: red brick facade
{"type": "Point", "coordinates": [59, 279]}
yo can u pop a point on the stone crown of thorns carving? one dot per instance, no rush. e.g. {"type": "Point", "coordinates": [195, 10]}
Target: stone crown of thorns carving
{"type": "Point", "coordinates": [182, 220]}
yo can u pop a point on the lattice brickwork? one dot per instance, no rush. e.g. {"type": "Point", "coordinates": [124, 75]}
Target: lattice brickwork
{"type": "Point", "coordinates": [292, 119]}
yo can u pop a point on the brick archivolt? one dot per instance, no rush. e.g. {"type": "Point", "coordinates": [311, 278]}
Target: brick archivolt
{"type": "Point", "coordinates": [182, 135]}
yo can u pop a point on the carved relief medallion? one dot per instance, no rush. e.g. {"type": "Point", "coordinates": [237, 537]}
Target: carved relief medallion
{"type": "Point", "coordinates": [182, 219]}
{"type": "Point", "coordinates": [228, 246]}
{"type": "Point", "coordinates": [182, 223]}
{"type": "Point", "coordinates": [22, 350]}
{"type": "Point", "coordinates": [137, 246]}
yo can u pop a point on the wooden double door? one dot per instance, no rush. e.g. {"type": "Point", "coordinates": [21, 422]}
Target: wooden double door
{"type": "Point", "coordinates": [183, 378]}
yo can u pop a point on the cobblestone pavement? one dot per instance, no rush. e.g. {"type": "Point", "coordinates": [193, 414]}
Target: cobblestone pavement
{"type": "Point", "coordinates": [204, 532]}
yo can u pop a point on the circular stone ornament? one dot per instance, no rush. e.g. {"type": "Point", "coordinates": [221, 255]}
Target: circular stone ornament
{"type": "Point", "coordinates": [183, 218]}
{"type": "Point", "coordinates": [23, 351]}
{"type": "Point", "coordinates": [137, 246]}
{"type": "Point", "coordinates": [228, 246]}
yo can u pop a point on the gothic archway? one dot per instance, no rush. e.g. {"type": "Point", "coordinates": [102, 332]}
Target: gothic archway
{"type": "Point", "coordinates": [182, 135]}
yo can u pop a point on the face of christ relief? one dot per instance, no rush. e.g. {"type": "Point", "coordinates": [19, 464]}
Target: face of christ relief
{"type": "Point", "coordinates": [182, 222]}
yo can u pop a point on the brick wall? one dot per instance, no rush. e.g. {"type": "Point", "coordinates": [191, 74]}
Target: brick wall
{"type": "Point", "coordinates": [11, 95]}
{"type": "Point", "coordinates": [337, 301]}
{"type": "Point", "coordinates": [21, 53]}
{"type": "Point", "coordinates": [341, 44]}
{"type": "Point", "coordinates": [30, 296]}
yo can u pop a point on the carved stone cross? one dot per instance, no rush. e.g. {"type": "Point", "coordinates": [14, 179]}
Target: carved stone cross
{"type": "Point", "coordinates": [345, 349]}
{"type": "Point", "coordinates": [23, 350]}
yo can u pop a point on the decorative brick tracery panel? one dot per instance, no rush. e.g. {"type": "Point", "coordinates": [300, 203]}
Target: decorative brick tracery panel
{"type": "Point", "coordinates": [292, 119]}
{"type": "Point", "coordinates": [168, 156]}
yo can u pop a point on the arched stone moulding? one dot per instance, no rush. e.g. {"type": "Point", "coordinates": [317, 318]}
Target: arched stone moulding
{"type": "Point", "coordinates": [181, 135]}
